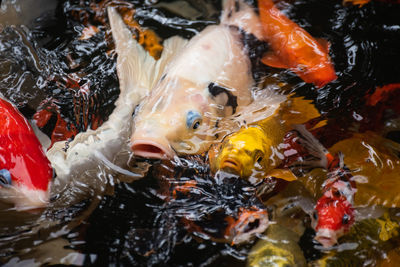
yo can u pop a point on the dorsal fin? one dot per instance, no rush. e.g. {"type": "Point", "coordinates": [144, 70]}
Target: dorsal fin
{"type": "Point", "coordinates": [135, 66]}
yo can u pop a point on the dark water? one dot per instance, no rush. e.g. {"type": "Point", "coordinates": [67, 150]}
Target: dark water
{"type": "Point", "coordinates": [44, 66]}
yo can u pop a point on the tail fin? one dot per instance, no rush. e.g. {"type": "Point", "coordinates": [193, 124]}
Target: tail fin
{"type": "Point", "coordinates": [240, 14]}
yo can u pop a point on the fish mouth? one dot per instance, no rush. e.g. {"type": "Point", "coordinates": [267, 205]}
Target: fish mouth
{"type": "Point", "coordinates": [326, 237]}
{"type": "Point", "coordinates": [231, 165]}
{"type": "Point", "coordinates": [248, 225]}
{"type": "Point", "coordinates": [151, 149]}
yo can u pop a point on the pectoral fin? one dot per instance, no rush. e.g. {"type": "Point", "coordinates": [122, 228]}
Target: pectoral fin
{"type": "Point", "coordinates": [283, 174]}
{"type": "Point", "coordinates": [272, 60]}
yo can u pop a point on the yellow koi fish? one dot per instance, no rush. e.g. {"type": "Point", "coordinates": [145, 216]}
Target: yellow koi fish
{"type": "Point", "coordinates": [255, 151]}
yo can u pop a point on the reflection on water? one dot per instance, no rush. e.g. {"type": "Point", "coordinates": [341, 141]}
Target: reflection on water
{"type": "Point", "coordinates": [14, 12]}
{"type": "Point", "coordinates": [180, 213]}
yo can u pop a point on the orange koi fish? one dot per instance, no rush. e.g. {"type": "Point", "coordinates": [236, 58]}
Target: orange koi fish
{"type": "Point", "coordinates": [294, 48]}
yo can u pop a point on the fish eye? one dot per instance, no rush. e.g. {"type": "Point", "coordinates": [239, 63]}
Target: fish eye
{"type": "Point", "coordinates": [336, 193]}
{"type": "Point", "coordinates": [259, 159]}
{"type": "Point", "coordinates": [315, 215]}
{"type": "Point", "coordinates": [54, 174]}
{"type": "Point", "coordinates": [193, 119]}
{"type": "Point", "coordinates": [345, 219]}
{"type": "Point", "coordinates": [5, 178]}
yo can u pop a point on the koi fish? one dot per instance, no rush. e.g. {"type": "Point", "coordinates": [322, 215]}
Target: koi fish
{"type": "Point", "coordinates": [294, 48]}
{"type": "Point", "coordinates": [256, 152]}
{"type": "Point", "coordinates": [334, 212]}
{"type": "Point", "coordinates": [87, 148]}
{"type": "Point", "coordinates": [278, 248]}
{"type": "Point", "coordinates": [25, 172]}
{"type": "Point", "coordinates": [205, 206]}
{"type": "Point", "coordinates": [377, 233]}
{"type": "Point", "coordinates": [375, 164]}
{"type": "Point", "coordinates": [199, 88]}
{"type": "Point", "coordinates": [278, 245]}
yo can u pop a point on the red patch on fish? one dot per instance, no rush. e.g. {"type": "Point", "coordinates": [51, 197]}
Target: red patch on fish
{"type": "Point", "coordinates": [21, 153]}
{"type": "Point", "coordinates": [294, 48]}
{"type": "Point", "coordinates": [334, 213]}
{"type": "Point", "coordinates": [62, 130]}
{"type": "Point", "coordinates": [382, 93]}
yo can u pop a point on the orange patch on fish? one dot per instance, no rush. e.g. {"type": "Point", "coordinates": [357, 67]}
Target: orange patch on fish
{"type": "Point", "coordinates": [146, 37]}
{"type": "Point", "coordinates": [248, 219]}
{"type": "Point", "coordinates": [186, 188]}
{"type": "Point", "coordinates": [88, 32]}
{"type": "Point", "coordinates": [358, 3]}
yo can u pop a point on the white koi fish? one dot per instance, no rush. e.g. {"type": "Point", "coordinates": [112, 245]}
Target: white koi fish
{"type": "Point", "coordinates": [206, 82]}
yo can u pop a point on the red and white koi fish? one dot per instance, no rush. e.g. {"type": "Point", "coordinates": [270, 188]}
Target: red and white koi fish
{"type": "Point", "coordinates": [294, 48]}
{"type": "Point", "coordinates": [25, 172]}
{"type": "Point", "coordinates": [334, 212]}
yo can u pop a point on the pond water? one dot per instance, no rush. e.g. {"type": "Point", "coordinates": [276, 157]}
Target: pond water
{"type": "Point", "coordinates": [58, 67]}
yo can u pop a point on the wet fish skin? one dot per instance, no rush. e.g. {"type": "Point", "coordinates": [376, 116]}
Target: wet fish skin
{"type": "Point", "coordinates": [294, 48]}
{"type": "Point", "coordinates": [25, 172]}
{"type": "Point", "coordinates": [278, 247]}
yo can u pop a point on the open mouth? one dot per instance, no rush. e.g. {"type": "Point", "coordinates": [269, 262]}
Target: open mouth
{"type": "Point", "coordinates": [326, 238]}
{"type": "Point", "coordinates": [231, 165]}
{"type": "Point", "coordinates": [149, 149]}
{"type": "Point", "coordinates": [248, 225]}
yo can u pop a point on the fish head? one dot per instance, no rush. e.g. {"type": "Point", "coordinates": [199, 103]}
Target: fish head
{"type": "Point", "coordinates": [169, 124]}
{"type": "Point", "coordinates": [242, 153]}
{"type": "Point", "coordinates": [250, 221]}
{"type": "Point", "coordinates": [25, 172]}
{"type": "Point", "coordinates": [332, 218]}
{"type": "Point", "coordinates": [320, 76]}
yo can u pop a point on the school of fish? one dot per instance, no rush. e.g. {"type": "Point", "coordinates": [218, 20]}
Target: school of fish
{"type": "Point", "coordinates": [191, 101]}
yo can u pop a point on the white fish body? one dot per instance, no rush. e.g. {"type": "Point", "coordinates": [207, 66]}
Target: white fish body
{"type": "Point", "coordinates": [209, 80]}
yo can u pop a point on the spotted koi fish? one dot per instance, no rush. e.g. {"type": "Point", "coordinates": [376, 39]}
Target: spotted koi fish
{"type": "Point", "coordinates": [334, 212]}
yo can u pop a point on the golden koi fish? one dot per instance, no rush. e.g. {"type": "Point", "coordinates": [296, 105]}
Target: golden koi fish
{"type": "Point", "coordinates": [255, 151]}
